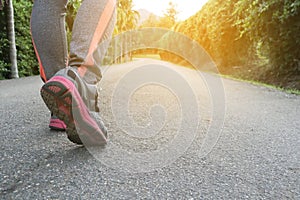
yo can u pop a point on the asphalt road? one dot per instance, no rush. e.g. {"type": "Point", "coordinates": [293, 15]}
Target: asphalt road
{"type": "Point", "coordinates": [253, 153]}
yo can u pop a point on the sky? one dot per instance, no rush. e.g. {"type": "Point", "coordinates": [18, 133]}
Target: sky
{"type": "Point", "coordinates": [186, 8]}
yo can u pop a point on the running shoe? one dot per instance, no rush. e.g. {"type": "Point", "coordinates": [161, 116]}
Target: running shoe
{"type": "Point", "coordinates": [74, 101]}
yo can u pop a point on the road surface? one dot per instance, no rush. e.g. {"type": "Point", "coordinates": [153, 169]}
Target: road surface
{"type": "Point", "coordinates": [255, 156]}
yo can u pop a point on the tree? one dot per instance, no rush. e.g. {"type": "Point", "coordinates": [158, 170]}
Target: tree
{"type": "Point", "coordinates": [170, 16]}
{"type": "Point", "coordinates": [11, 37]}
{"type": "Point", "coordinates": [273, 27]}
{"type": "Point", "coordinates": [127, 19]}
{"type": "Point", "coordinates": [256, 40]}
{"type": "Point", "coordinates": [12, 40]}
{"type": "Point", "coordinates": [213, 28]}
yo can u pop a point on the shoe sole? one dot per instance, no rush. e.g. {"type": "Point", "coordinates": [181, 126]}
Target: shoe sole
{"type": "Point", "coordinates": [64, 101]}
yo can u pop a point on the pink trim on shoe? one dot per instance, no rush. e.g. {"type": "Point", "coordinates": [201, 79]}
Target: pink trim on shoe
{"type": "Point", "coordinates": [57, 125]}
{"type": "Point", "coordinates": [72, 88]}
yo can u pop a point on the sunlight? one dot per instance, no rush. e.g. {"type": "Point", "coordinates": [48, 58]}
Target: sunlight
{"type": "Point", "coordinates": [186, 8]}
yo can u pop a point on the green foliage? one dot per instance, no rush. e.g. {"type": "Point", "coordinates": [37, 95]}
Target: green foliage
{"type": "Point", "coordinates": [262, 37]}
{"type": "Point", "coordinates": [27, 63]}
{"type": "Point", "coordinates": [213, 27]}
{"type": "Point", "coordinates": [273, 27]}
{"type": "Point", "coordinates": [127, 18]}
{"type": "Point", "coordinates": [2, 3]}
{"type": "Point", "coordinates": [4, 56]}
{"type": "Point", "coordinates": [72, 8]}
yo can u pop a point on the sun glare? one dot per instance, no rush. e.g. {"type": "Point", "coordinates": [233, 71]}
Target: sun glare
{"type": "Point", "coordinates": [186, 8]}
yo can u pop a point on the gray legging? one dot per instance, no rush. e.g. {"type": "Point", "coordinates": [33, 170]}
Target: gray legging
{"type": "Point", "coordinates": [94, 23]}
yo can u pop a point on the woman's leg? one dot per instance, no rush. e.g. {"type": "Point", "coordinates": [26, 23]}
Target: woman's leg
{"type": "Point", "coordinates": [50, 43]}
{"type": "Point", "coordinates": [49, 35]}
{"type": "Point", "coordinates": [72, 94]}
{"type": "Point", "coordinates": [94, 24]}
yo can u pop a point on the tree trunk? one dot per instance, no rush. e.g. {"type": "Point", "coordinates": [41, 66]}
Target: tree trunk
{"type": "Point", "coordinates": [12, 40]}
